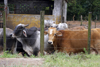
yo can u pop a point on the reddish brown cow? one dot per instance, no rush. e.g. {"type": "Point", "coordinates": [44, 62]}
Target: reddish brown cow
{"type": "Point", "coordinates": [73, 41]}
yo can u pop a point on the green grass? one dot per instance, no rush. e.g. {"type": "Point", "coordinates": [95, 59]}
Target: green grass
{"type": "Point", "coordinates": [64, 60]}
{"type": "Point", "coordinates": [8, 55]}
{"type": "Point", "coordinates": [80, 60]}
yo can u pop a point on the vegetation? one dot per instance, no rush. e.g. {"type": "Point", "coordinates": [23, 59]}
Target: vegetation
{"type": "Point", "coordinates": [83, 7]}
{"type": "Point", "coordinates": [8, 55]}
{"type": "Point", "coordinates": [63, 60]}
{"type": "Point", "coordinates": [76, 8]}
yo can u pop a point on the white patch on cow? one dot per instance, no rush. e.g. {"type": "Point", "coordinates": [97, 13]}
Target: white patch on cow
{"type": "Point", "coordinates": [37, 43]}
{"type": "Point", "coordinates": [19, 24]}
{"type": "Point", "coordinates": [46, 37]}
{"type": "Point", "coordinates": [1, 31]}
{"type": "Point", "coordinates": [62, 26]}
{"type": "Point", "coordinates": [13, 36]}
{"type": "Point", "coordinates": [54, 25]}
{"type": "Point", "coordinates": [51, 30]}
{"type": "Point", "coordinates": [20, 40]}
{"type": "Point", "coordinates": [14, 51]}
{"type": "Point", "coordinates": [28, 49]}
{"type": "Point", "coordinates": [45, 53]}
{"type": "Point", "coordinates": [48, 22]}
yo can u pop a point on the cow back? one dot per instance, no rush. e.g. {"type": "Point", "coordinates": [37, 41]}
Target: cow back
{"type": "Point", "coordinates": [75, 41]}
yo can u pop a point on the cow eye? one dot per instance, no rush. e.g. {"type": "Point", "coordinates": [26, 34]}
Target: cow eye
{"type": "Point", "coordinates": [54, 34]}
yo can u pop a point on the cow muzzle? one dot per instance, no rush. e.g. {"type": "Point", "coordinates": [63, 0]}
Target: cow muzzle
{"type": "Point", "coordinates": [50, 42]}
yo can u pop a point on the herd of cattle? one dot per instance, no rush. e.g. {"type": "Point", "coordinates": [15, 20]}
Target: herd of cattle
{"type": "Point", "coordinates": [56, 37]}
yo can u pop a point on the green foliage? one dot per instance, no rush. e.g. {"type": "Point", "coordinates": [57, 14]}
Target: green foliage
{"type": "Point", "coordinates": [1, 5]}
{"type": "Point", "coordinates": [83, 7]}
{"type": "Point", "coordinates": [86, 52]}
{"type": "Point", "coordinates": [11, 7]}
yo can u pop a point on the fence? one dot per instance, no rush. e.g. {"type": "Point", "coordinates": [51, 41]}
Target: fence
{"type": "Point", "coordinates": [42, 27]}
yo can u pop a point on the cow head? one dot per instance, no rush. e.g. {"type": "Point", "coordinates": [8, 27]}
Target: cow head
{"type": "Point", "coordinates": [52, 32]}
{"type": "Point", "coordinates": [20, 29]}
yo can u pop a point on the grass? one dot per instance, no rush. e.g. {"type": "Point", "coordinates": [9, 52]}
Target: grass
{"type": "Point", "coordinates": [63, 60]}
{"type": "Point", "coordinates": [8, 55]}
{"type": "Point", "coordinates": [80, 60]}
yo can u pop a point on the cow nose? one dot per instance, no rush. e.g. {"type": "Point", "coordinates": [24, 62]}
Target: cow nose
{"type": "Point", "coordinates": [49, 42]}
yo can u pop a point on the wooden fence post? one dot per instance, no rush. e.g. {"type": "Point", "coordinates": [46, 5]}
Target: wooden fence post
{"type": "Point", "coordinates": [89, 31]}
{"type": "Point", "coordinates": [4, 31]}
{"type": "Point", "coordinates": [42, 32]}
{"type": "Point", "coordinates": [73, 18]}
{"type": "Point", "coordinates": [81, 21]}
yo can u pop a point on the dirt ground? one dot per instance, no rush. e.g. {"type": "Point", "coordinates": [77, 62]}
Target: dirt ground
{"type": "Point", "coordinates": [84, 23]}
{"type": "Point", "coordinates": [4, 62]}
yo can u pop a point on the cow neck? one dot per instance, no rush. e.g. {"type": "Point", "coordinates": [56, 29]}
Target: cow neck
{"type": "Point", "coordinates": [58, 40]}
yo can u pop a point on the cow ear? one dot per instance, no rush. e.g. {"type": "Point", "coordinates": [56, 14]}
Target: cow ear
{"type": "Point", "coordinates": [46, 32]}
{"type": "Point", "coordinates": [24, 33]}
{"type": "Point", "coordinates": [59, 34]}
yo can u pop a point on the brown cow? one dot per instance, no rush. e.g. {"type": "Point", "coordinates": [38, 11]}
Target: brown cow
{"type": "Point", "coordinates": [73, 41]}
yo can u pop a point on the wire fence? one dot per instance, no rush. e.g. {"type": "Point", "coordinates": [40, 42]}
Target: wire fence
{"type": "Point", "coordinates": [73, 24]}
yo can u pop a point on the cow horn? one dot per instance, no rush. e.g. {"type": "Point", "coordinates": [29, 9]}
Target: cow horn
{"type": "Point", "coordinates": [25, 25]}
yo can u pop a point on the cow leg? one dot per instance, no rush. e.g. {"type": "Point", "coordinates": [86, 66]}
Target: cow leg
{"type": "Point", "coordinates": [36, 51]}
{"type": "Point", "coordinates": [93, 51]}
{"type": "Point", "coordinates": [13, 50]}
{"type": "Point", "coordinates": [97, 46]}
{"type": "Point", "coordinates": [45, 53]}
{"type": "Point", "coordinates": [28, 49]}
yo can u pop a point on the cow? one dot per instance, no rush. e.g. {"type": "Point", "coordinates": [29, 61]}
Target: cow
{"type": "Point", "coordinates": [30, 39]}
{"type": "Point", "coordinates": [10, 42]}
{"type": "Point", "coordinates": [62, 26]}
{"type": "Point", "coordinates": [73, 41]}
{"type": "Point", "coordinates": [48, 23]}
{"type": "Point", "coordinates": [19, 49]}
{"type": "Point", "coordinates": [54, 25]}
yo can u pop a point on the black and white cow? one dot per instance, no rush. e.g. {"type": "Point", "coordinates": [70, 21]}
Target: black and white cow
{"type": "Point", "coordinates": [10, 42]}
{"type": "Point", "coordinates": [19, 49]}
{"type": "Point", "coordinates": [30, 39]}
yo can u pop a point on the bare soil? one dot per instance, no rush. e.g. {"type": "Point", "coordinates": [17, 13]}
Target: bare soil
{"type": "Point", "coordinates": [84, 23]}
{"type": "Point", "coordinates": [5, 62]}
